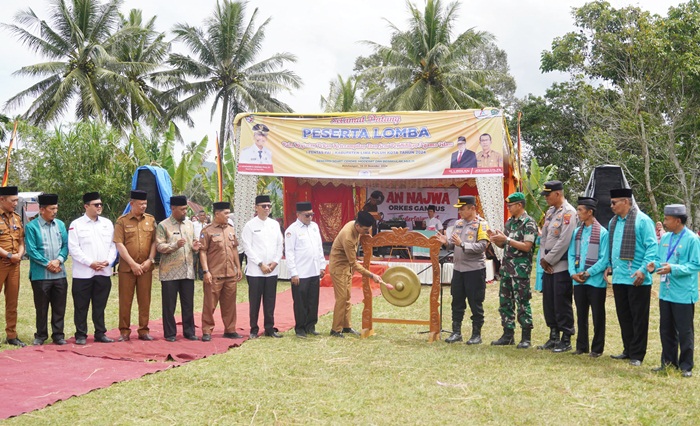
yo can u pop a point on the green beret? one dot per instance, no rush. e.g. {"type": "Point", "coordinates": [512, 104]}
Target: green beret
{"type": "Point", "coordinates": [515, 197]}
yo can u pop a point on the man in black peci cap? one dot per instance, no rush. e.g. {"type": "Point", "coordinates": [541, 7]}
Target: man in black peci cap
{"type": "Point", "coordinates": [46, 240]}
{"type": "Point", "coordinates": [262, 240]}
{"type": "Point", "coordinates": [91, 246]}
{"type": "Point", "coordinates": [178, 245]}
{"type": "Point", "coordinates": [303, 250]}
{"type": "Point", "coordinates": [11, 252]}
{"type": "Point", "coordinates": [135, 238]}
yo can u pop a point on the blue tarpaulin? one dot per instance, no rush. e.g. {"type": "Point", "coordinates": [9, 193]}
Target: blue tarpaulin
{"type": "Point", "coordinates": [165, 187]}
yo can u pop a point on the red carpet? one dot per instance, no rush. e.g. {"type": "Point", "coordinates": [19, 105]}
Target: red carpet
{"type": "Point", "coordinates": [37, 376]}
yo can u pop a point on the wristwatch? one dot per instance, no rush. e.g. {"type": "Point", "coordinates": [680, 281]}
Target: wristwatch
{"type": "Point", "coordinates": [205, 272]}
{"type": "Point", "coordinates": [9, 255]}
{"type": "Point", "coordinates": [507, 241]}
{"type": "Point", "coordinates": [462, 245]}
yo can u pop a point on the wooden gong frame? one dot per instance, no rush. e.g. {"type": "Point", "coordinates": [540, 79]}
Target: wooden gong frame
{"type": "Point", "coordinates": [402, 237]}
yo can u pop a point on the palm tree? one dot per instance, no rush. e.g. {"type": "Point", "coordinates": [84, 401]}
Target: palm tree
{"type": "Point", "coordinates": [225, 68]}
{"type": "Point", "coordinates": [424, 68]}
{"type": "Point", "coordinates": [342, 96]}
{"type": "Point", "coordinates": [76, 39]}
{"type": "Point", "coordinates": [139, 52]}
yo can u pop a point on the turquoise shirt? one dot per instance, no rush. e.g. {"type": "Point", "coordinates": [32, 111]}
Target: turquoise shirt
{"type": "Point", "coordinates": [644, 250]}
{"type": "Point", "coordinates": [681, 285]}
{"type": "Point", "coordinates": [45, 241]}
{"type": "Point", "coordinates": [596, 271]}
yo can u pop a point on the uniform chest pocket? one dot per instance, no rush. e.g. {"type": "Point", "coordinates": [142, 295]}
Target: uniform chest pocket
{"type": "Point", "coordinates": [217, 239]}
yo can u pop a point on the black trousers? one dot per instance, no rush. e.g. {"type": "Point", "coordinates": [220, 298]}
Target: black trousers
{"type": "Point", "coordinates": [170, 290]}
{"type": "Point", "coordinates": [54, 293]}
{"type": "Point", "coordinates": [586, 297]}
{"type": "Point", "coordinates": [262, 289]}
{"type": "Point", "coordinates": [632, 305]}
{"type": "Point", "coordinates": [86, 290]}
{"type": "Point", "coordinates": [468, 287]}
{"type": "Point", "coordinates": [305, 296]}
{"type": "Point", "coordinates": [676, 326]}
{"type": "Point", "coordinates": [557, 290]}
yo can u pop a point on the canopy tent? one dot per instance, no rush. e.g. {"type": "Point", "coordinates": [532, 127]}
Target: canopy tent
{"type": "Point", "coordinates": [321, 172]}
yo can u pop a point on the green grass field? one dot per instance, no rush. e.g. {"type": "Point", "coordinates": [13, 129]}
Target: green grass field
{"type": "Point", "coordinates": [393, 377]}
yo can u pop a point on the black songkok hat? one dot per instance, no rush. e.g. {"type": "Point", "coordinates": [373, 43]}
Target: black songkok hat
{"type": "Point", "coordinates": [8, 190]}
{"type": "Point", "coordinates": [222, 205]}
{"type": "Point", "coordinates": [304, 206]}
{"type": "Point", "coordinates": [262, 199]}
{"type": "Point", "coordinates": [90, 196]}
{"type": "Point", "coordinates": [365, 219]}
{"type": "Point", "coordinates": [589, 202]}
{"type": "Point", "coordinates": [137, 194]}
{"type": "Point", "coordinates": [48, 199]}
{"type": "Point", "coordinates": [621, 193]}
{"type": "Point", "coordinates": [260, 128]}
{"type": "Point", "coordinates": [178, 200]}
{"type": "Point", "coordinates": [432, 207]}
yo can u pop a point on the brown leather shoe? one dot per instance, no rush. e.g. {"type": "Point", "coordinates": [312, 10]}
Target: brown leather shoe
{"type": "Point", "coordinates": [124, 338]}
{"type": "Point", "coordinates": [147, 337]}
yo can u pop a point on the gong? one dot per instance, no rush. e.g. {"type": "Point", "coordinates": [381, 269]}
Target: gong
{"type": "Point", "coordinates": [406, 286]}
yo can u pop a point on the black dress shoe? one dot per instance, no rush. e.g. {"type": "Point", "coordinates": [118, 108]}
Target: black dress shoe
{"type": "Point", "coordinates": [595, 354]}
{"type": "Point", "coordinates": [659, 369]}
{"type": "Point", "coordinates": [147, 337]}
{"type": "Point", "coordinates": [80, 341]}
{"type": "Point", "coordinates": [192, 338]}
{"type": "Point", "coordinates": [169, 339]}
{"type": "Point", "coordinates": [313, 333]}
{"type": "Point", "coordinates": [351, 331]}
{"type": "Point", "coordinates": [16, 342]}
{"type": "Point", "coordinates": [579, 352]}
{"type": "Point", "coordinates": [233, 335]}
{"type": "Point", "coordinates": [686, 373]}
{"type": "Point", "coordinates": [635, 363]}
{"type": "Point", "coordinates": [253, 336]}
{"type": "Point", "coordinates": [337, 334]}
{"type": "Point", "coordinates": [60, 342]}
{"type": "Point", "coordinates": [104, 339]}
{"type": "Point", "coordinates": [206, 338]}
{"type": "Point", "coordinates": [124, 338]}
{"type": "Point", "coordinates": [274, 334]}
{"type": "Point", "coordinates": [621, 356]}
{"type": "Point", "coordinates": [301, 335]}
{"type": "Point", "coordinates": [38, 342]}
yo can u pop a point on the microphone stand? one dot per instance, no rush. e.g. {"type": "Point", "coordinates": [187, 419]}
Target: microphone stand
{"type": "Point", "coordinates": [441, 261]}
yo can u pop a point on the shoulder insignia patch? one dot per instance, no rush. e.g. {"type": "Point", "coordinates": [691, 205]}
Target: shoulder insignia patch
{"type": "Point", "coordinates": [567, 218]}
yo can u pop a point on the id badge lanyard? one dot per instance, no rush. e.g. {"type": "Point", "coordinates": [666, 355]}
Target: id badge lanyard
{"type": "Point", "coordinates": [672, 249]}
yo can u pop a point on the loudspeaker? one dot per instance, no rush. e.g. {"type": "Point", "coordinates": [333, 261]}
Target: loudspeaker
{"type": "Point", "coordinates": [146, 181]}
{"type": "Point", "coordinates": [603, 179]}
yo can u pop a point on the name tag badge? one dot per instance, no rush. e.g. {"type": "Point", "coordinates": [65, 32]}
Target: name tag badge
{"type": "Point", "coordinates": [663, 278]}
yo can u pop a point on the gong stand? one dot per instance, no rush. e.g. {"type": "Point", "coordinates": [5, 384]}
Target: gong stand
{"type": "Point", "coordinates": [402, 237]}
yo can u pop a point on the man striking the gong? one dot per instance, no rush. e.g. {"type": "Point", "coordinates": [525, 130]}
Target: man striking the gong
{"type": "Point", "coordinates": [342, 264]}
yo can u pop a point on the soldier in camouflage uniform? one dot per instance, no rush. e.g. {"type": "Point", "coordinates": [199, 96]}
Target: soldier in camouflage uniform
{"type": "Point", "coordinates": [518, 242]}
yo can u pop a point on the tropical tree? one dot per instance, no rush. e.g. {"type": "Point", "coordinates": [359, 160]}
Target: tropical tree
{"type": "Point", "coordinates": [139, 53]}
{"type": "Point", "coordinates": [76, 39]}
{"type": "Point", "coordinates": [424, 68]}
{"type": "Point", "coordinates": [225, 67]}
{"type": "Point", "coordinates": [342, 96]}
{"type": "Point", "coordinates": [533, 184]}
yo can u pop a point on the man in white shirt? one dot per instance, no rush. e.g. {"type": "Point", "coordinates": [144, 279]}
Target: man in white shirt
{"type": "Point", "coordinates": [258, 153]}
{"type": "Point", "coordinates": [262, 242]}
{"type": "Point", "coordinates": [93, 251]}
{"type": "Point", "coordinates": [303, 250]}
{"type": "Point", "coordinates": [433, 223]}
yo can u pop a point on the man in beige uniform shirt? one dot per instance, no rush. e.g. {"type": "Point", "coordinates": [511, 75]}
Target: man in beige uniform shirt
{"type": "Point", "coordinates": [135, 238]}
{"type": "Point", "coordinates": [222, 270]}
{"type": "Point", "coordinates": [343, 262]}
